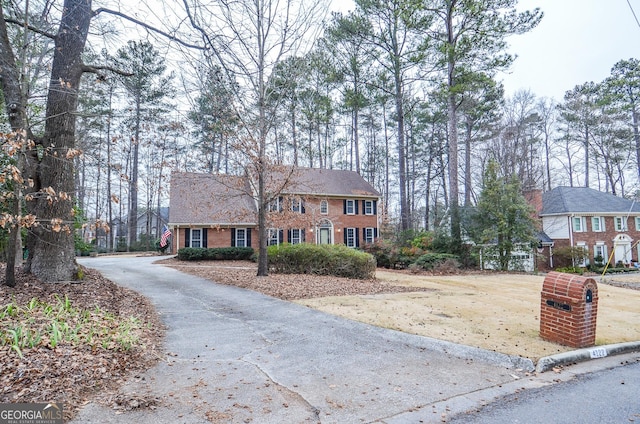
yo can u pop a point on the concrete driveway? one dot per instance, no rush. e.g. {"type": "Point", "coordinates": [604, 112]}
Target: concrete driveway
{"type": "Point", "coordinates": [237, 356]}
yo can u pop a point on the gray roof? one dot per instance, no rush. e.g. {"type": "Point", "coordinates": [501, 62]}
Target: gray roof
{"type": "Point", "coordinates": [568, 200]}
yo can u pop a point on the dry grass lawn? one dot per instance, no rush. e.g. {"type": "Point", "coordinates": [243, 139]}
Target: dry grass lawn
{"type": "Point", "coordinates": [497, 312]}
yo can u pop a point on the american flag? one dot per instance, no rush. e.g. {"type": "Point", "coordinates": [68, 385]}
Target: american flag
{"type": "Point", "coordinates": [165, 236]}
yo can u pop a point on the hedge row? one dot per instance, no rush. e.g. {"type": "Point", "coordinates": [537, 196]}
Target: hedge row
{"type": "Point", "coordinates": [217, 254]}
{"type": "Point", "coordinates": [325, 259]}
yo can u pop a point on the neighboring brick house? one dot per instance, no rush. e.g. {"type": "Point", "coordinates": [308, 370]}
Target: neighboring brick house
{"type": "Point", "coordinates": [321, 206]}
{"type": "Point", "coordinates": [603, 224]}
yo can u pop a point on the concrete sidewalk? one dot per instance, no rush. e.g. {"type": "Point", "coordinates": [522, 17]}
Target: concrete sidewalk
{"type": "Point", "coordinates": [237, 356]}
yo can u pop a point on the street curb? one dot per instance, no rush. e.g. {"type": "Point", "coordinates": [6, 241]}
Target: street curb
{"type": "Point", "coordinates": [548, 362]}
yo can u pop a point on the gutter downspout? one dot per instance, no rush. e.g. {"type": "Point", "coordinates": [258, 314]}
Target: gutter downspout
{"type": "Point", "coordinates": [571, 234]}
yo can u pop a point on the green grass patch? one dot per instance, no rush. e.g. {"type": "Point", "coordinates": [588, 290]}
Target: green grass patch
{"type": "Point", "coordinates": [43, 324]}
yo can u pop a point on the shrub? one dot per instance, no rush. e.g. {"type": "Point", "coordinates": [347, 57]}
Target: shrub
{"type": "Point", "coordinates": [571, 270]}
{"type": "Point", "coordinates": [215, 254]}
{"type": "Point", "coordinates": [570, 256]}
{"type": "Point", "coordinates": [431, 261]}
{"type": "Point", "coordinates": [337, 260]}
{"type": "Point", "coordinates": [382, 250]}
{"type": "Point", "coordinates": [423, 240]}
{"type": "Point", "coordinates": [389, 255]}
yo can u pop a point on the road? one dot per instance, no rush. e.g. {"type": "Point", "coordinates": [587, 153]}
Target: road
{"type": "Point", "coordinates": [609, 396]}
{"type": "Point", "coordinates": [234, 355]}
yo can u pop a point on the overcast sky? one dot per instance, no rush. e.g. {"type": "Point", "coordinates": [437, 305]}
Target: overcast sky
{"type": "Point", "coordinates": [576, 42]}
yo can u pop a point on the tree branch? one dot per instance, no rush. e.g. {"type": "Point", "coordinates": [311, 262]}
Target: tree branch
{"type": "Point", "coordinates": [96, 70]}
{"type": "Point", "coordinates": [149, 27]}
{"type": "Point", "coordinates": [31, 28]}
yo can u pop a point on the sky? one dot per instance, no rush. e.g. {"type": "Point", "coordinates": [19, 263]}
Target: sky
{"type": "Point", "coordinates": [577, 41]}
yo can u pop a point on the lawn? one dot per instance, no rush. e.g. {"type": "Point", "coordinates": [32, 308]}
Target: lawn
{"type": "Point", "coordinates": [497, 312]}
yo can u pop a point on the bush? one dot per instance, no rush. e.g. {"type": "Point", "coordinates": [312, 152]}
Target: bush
{"type": "Point", "coordinates": [389, 255]}
{"type": "Point", "coordinates": [571, 270]}
{"type": "Point", "coordinates": [382, 250]}
{"type": "Point", "coordinates": [431, 261]}
{"type": "Point", "coordinates": [568, 256]}
{"type": "Point", "coordinates": [82, 248]}
{"type": "Point", "coordinates": [325, 259]}
{"type": "Point", "coordinates": [215, 254]}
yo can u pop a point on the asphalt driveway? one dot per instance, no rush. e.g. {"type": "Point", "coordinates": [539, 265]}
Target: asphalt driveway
{"type": "Point", "coordinates": [238, 356]}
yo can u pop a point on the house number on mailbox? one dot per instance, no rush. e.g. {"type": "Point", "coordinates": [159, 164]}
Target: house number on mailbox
{"type": "Point", "coordinates": [559, 305]}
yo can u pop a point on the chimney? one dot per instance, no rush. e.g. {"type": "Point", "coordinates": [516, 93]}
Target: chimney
{"type": "Point", "coordinates": [534, 198]}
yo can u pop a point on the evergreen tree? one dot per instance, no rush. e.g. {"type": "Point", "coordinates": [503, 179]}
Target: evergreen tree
{"type": "Point", "coordinates": [147, 87]}
{"type": "Point", "coordinates": [504, 219]}
{"type": "Point", "coordinates": [470, 36]}
{"type": "Point", "coordinates": [214, 118]}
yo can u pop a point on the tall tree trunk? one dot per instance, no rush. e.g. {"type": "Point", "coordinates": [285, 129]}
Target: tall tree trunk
{"type": "Point", "coordinates": [467, 166]}
{"type": "Point", "coordinates": [51, 256]}
{"type": "Point", "coordinates": [636, 135]}
{"type": "Point", "coordinates": [454, 207]}
{"type": "Point", "coordinates": [15, 104]}
{"type": "Point", "coordinates": [110, 246]}
{"type": "Point", "coordinates": [547, 159]}
{"type": "Point", "coordinates": [133, 181]}
{"type": "Point", "coordinates": [586, 157]}
{"type": "Point", "coordinates": [356, 139]}
{"type": "Point", "coordinates": [294, 134]}
{"type": "Point", "coordinates": [402, 170]}
{"type": "Point", "coordinates": [387, 169]}
{"type": "Point", "coordinates": [454, 188]}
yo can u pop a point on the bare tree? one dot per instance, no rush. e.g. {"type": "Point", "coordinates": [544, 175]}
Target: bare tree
{"type": "Point", "coordinates": [546, 110]}
{"type": "Point", "coordinates": [248, 41]}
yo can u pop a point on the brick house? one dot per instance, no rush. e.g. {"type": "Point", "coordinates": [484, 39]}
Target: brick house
{"type": "Point", "coordinates": [603, 224]}
{"type": "Point", "coordinates": [321, 206]}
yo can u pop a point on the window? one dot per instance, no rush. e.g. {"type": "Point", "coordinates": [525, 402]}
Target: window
{"type": "Point", "coordinates": [597, 224]}
{"type": "Point", "coordinates": [350, 207]}
{"type": "Point", "coordinates": [584, 261]}
{"type": "Point", "coordinates": [369, 234]}
{"type": "Point", "coordinates": [296, 205]}
{"type": "Point", "coordinates": [620, 223]}
{"type": "Point", "coordinates": [324, 207]}
{"type": "Point", "coordinates": [600, 253]}
{"type": "Point", "coordinates": [275, 205]}
{"type": "Point", "coordinates": [637, 223]}
{"type": "Point", "coordinates": [350, 237]}
{"type": "Point", "coordinates": [241, 237]}
{"type": "Point", "coordinates": [578, 224]}
{"type": "Point", "coordinates": [274, 237]}
{"type": "Point", "coordinates": [196, 238]}
{"type": "Point", "coordinates": [368, 207]}
{"type": "Point", "coordinates": [295, 236]}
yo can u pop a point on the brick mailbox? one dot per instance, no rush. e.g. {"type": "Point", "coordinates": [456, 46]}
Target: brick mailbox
{"type": "Point", "coordinates": [568, 310]}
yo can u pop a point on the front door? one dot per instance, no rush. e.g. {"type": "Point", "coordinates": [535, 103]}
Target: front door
{"type": "Point", "coordinates": [622, 246]}
{"type": "Point", "coordinates": [324, 236]}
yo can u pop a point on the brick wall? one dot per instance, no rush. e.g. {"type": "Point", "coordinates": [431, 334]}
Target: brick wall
{"type": "Point", "coordinates": [566, 317]}
{"type": "Point", "coordinates": [590, 238]}
{"type": "Point", "coordinates": [221, 236]}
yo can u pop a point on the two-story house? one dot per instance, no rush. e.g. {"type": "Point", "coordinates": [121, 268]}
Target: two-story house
{"type": "Point", "coordinates": [606, 226]}
{"type": "Point", "coordinates": [321, 206]}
